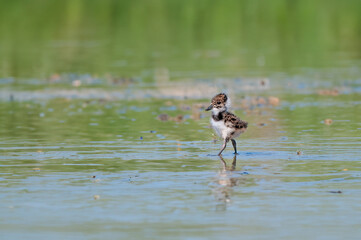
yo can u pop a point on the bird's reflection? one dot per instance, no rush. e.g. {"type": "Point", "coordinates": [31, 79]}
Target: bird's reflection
{"type": "Point", "coordinates": [230, 168]}
{"type": "Point", "coordinates": [226, 179]}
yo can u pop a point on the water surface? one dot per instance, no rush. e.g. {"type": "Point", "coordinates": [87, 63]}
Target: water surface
{"type": "Point", "coordinates": [103, 132]}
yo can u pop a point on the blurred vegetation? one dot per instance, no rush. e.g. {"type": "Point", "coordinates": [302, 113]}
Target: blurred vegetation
{"type": "Point", "coordinates": [129, 38]}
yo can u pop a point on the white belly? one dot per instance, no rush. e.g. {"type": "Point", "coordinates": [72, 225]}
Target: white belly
{"type": "Point", "coordinates": [221, 129]}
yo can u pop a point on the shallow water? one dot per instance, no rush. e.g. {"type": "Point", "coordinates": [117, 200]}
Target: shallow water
{"type": "Point", "coordinates": [74, 168]}
{"type": "Point", "coordinates": [103, 133]}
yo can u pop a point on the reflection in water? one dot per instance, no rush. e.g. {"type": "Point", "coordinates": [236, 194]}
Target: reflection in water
{"type": "Point", "coordinates": [226, 179]}
{"type": "Point", "coordinates": [231, 168]}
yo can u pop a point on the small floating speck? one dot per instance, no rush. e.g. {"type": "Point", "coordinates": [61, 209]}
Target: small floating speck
{"type": "Point", "coordinates": [36, 169]}
{"type": "Point", "coordinates": [96, 197]}
{"type": "Point", "coordinates": [299, 152]}
{"type": "Point", "coordinates": [163, 117]}
{"type": "Point", "coordinates": [328, 121]}
{"type": "Point", "coordinates": [335, 191]}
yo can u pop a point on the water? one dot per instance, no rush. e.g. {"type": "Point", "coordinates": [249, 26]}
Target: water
{"type": "Point", "coordinates": [105, 169]}
{"type": "Point", "coordinates": [103, 132]}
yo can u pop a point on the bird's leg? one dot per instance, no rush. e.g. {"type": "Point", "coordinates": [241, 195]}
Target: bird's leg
{"type": "Point", "coordinates": [234, 146]}
{"type": "Point", "coordinates": [224, 145]}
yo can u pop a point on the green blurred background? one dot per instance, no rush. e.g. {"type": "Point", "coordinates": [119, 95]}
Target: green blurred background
{"type": "Point", "coordinates": [39, 38]}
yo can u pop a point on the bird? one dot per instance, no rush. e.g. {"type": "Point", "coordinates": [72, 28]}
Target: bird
{"type": "Point", "coordinates": [227, 125]}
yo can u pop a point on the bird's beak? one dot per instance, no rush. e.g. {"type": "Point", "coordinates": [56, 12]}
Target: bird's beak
{"type": "Point", "coordinates": [209, 108]}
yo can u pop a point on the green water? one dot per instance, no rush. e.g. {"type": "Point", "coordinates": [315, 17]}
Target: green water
{"type": "Point", "coordinates": [85, 155]}
{"type": "Point", "coordinates": [129, 39]}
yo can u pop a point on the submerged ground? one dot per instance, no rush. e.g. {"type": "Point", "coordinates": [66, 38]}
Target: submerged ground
{"type": "Point", "coordinates": [103, 133]}
{"type": "Point", "coordinates": [147, 168]}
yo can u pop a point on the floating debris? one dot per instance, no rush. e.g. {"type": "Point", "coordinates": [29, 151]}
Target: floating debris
{"type": "Point", "coordinates": [328, 92]}
{"type": "Point", "coordinates": [178, 118]}
{"type": "Point", "coordinates": [178, 146]}
{"type": "Point", "coordinates": [163, 117]}
{"type": "Point", "coordinates": [335, 191]}
{"type": "Point", "coordinates": [328, 121]}
{"type": "Point", "coordinates": [261, 101]}
{"type": "Point", "coordinates": [36, 169]}
{"type": "Point", "coordinates": [274, 101]}
{"type": "Point", "coordinates": [94, 176]}
{"type": "Point", "coordinates": [299, 152]}
{"type": "Point", "coordinates": [96, 197]}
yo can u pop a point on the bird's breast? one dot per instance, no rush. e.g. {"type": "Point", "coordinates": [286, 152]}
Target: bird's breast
{"type": "Point", "coordinates": [219, 127]}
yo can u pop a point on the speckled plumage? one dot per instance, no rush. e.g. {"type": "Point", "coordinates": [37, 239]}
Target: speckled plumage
{"type": "Point", "coordinates": [227, 125]}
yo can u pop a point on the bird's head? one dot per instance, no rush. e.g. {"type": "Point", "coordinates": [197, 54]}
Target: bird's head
{"type": "Point", "coordinates": [219, 103]}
